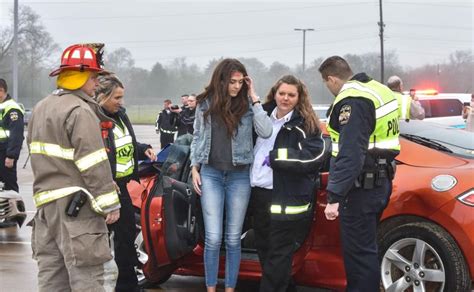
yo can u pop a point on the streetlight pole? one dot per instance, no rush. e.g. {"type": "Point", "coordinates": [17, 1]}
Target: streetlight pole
{"type": "Point", "coordinates": [381, 29]}
{"type": "Point", "coordinates": [304, 30]}
{"type": "Point", "coordinates": [15, 50]}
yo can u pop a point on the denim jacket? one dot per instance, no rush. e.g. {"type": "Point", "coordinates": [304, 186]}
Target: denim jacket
{"type": "Point", "coordinates": [242, 142]}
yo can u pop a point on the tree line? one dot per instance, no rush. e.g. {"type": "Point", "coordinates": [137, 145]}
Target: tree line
{"type": "Point", "coordinates": [162, 81]}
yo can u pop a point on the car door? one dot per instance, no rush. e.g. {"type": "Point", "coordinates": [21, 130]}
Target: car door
{"type": "Point", "coordinates": [169, 214]}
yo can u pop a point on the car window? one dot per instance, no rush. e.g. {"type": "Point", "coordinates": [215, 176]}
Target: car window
{"type": "Point", "coordinates": [441, 107]}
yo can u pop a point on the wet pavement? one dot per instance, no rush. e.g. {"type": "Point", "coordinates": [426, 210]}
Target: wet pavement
{"type": "Point", "coordinates": [18, 270]}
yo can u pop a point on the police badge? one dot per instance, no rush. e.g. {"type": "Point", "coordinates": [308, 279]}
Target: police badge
{"type": "Point", "coordinates": [13, 116]}
{"type": "Point", "coordinates": [344, 114]}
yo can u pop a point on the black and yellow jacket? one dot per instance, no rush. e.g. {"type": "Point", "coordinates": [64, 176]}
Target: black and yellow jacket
{"type": "Point", "coordinates": [295, 159]}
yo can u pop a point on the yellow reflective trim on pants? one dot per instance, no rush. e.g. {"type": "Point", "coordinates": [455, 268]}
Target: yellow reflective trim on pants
{"type": "Point", "coordinates": [92, 159]}
{"type": "Point", "coordinates": [282, 153]}
{"type": "Point", "coordinates": [98, 204]}
{"type": "Point", "coordinates": [276, 209]}
{"type": "Point", "coordinates": [49, 149]}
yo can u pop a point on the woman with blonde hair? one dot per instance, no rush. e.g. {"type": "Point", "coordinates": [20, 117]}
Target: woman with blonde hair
{"type": "Point", "coordinates": [123, 152]}
{"type": "Point", "coordinates": [284, 177]}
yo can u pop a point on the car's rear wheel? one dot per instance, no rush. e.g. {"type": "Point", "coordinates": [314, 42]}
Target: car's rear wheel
{"type": "Point", "coordinates": [143, 282]}
{"type": "Point", "coordinates": [422, 257]}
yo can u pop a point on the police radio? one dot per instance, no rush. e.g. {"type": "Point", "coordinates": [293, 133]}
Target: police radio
{"type": "Point", "coordinates": [78, 200]}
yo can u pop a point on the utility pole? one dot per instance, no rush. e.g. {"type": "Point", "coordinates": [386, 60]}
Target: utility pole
{"type": "Point", "coordinates": [304, 30]}
{"type": "Point", "coordinates": [381, 26]}
{"type": "Point", "coordinates": [15, 50]}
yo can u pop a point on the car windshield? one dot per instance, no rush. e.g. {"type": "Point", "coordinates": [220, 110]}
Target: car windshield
{"type": "Point", "coordinates": [439, 137]}
{"type": "Point", "coordinates": [442, 107]}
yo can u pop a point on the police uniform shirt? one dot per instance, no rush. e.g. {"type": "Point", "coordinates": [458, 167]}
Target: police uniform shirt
{"type": "Point", "coordinates": [354, 119]}
{"type": "Point", "coordinates": [13, 122]}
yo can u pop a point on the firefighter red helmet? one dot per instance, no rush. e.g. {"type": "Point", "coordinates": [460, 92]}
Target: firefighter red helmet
{"type": "Point", "coordinates": [80, 58]}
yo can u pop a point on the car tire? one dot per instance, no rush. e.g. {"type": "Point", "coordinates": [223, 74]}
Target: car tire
{"type": "Point", "coordinates": [422, 255]}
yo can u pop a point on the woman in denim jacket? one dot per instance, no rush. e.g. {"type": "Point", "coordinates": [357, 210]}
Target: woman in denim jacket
{"type": "Point", "coordinates": [221, 154]}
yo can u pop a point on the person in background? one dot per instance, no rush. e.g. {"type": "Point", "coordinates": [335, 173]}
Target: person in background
{"type": "Point", "coordinates": [363, 127]}
{"type": "Point", "coordinates": [468, 115]}
{"type": "Point", "coordinates": [409, 107]}
{"type": "Point", "coordinates": [165, 124]}
{"type": "Point", "coordinates": [283, 178]}
{"type": "Point", "coordinates": [221, 154]}
{"type": "Point", "coordinates": [11, 137]}
{"type": "Point", "coordinates": [70, 239]}
{"type": "Point", "coordinates": [185, 120]}
{"type": "Point", "coordinates": [184, 101]}
{"type": "Point", "coordinates": [124, 152]}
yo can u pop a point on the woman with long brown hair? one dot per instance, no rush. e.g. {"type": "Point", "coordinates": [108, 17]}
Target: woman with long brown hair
{"type": "Point", "coordinates": [221, 154]}
{"type": "Point", "coordinates": [283, 178]}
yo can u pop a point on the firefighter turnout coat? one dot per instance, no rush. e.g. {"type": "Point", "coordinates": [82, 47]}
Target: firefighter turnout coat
{"type": "Point", "coordinates": [67, 151]}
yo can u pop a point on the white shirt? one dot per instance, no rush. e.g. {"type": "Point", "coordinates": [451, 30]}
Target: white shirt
{"type": "Point", "coordinates": [262, 175]}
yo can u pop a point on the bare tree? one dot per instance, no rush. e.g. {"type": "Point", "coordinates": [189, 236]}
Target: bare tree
{"type": "Point", "coordinates": [35, 46]}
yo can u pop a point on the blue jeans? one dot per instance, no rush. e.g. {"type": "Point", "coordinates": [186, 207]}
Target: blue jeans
{"type": "Point", "coordinates": [232, 190]}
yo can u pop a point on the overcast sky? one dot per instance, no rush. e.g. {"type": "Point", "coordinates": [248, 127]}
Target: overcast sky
{"type": "Point", "coordinates": [420, 31]}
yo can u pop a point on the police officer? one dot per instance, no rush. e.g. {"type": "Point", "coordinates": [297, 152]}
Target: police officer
{"type": "Point", "coordinates": [11, 137]}
{"type": "Point", "coordinates": [74, 192]}
{"type": "Point", "coordinates": [409, 107]}
{"type": "Point", "coordinates": [363, 125]}
{"type": "Point", "coordinates": [165, 124]}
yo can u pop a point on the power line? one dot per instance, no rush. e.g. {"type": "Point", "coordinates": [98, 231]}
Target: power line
{"type": "Point", "coordinates": [216, 39]}
{"type": "Point", "coordinates": [441, 26]}
{"type": "Point", "coordinates": [440, 4]}
{"type": "Point", "coordinates": [422, 38]}
{"type": "Point", "coordinates": [206, 13]}
{"type": "Point", "coordinates": [265, 50]}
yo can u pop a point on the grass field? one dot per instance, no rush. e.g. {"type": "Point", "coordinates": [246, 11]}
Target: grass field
{"type": "Point", "coordinates": [143, 114]}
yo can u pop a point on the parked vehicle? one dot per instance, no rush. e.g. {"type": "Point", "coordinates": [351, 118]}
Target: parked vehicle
{"type": "Point", "coordinates": [426, 234]}
{"type": "Point", "coordinates": [321, 111]}
{"type": "Point", "coordinates": [443, 108]}
{"type": "Point", "coordinates": [12, 208]}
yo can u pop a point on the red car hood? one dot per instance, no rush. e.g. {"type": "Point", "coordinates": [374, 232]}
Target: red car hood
{"type": "Point", "coordinates": [416, 155]}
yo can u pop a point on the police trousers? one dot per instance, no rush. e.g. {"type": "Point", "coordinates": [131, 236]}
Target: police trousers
{"type": "Point", "coordinates": [8, 175]}
{"type": "Point", "coordinates": [124, 243]}
{"type": "Point", "coordinates": [165, 139]}
{"type": "Point", "coordinates": [360, 213]}
{"type": "Point", "coordinates": [72, 253]}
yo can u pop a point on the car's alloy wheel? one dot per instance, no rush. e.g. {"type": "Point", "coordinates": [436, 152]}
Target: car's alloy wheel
{"type": "Point", "coordinates": [422, 257]}
{"type": "Point", "coordinates": [411, 262]}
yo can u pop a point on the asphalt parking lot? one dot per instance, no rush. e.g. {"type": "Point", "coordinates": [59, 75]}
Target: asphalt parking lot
{"type": "Point", "coordinates": [18, 270]}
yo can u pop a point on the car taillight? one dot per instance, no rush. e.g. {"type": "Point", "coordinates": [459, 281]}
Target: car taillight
{"type": "Point", "coordinates": [467, 198]}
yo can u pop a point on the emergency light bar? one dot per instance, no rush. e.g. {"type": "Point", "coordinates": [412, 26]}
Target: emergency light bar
{"type": "Point", "coordinates": [424, 92]}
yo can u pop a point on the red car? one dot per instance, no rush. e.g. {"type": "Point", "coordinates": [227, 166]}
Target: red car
{"type": "Point", "coordinates": [426, 236]}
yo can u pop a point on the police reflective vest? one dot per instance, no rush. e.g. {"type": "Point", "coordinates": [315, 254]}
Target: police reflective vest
{"type": "Point", "coordinates": [123, 150]}
{"type": "Point", "coordinates": [385, 134]}
{"type": "Point", "coordinates": [5, 107]}
{"type": "Point", "coordinates": [404, 104]}
{"type": "Point", "coordinates": [98, 203]}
